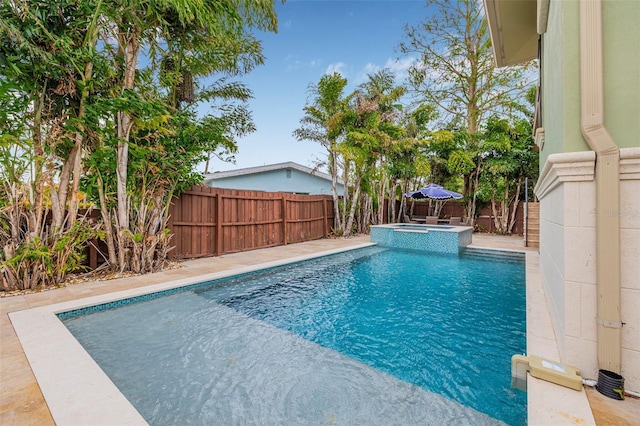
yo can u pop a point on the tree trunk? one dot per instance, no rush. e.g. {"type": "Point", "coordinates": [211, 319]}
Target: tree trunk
{"type": "Point", "coordinates": [365, 214]}
{"type": "Point", "coordinates": [471, 204]}
{"type": "Point", "coordinates": [124, 125]}
{"type": "Point", "coordinates": [333, 169]}
{"type": "Point", "coordinates": [402, 214]}
{"type": "Point", "coordinates": [108, 223]}
{"type": "Point", "coordinates": [59, 196]}
{"type": "Point", "coordinates": [381, 194]}
{"type": "Point", "coordinates": [72, 210]}
{"type": "Point", "coordinates": [392, 201]}
{"type": "Point", "coordinates": [515, 204]}
{"type": "Point", "coordinates": [494, 213]}
{"type": "Point", "coordinates": [77, 161]}
{"type": "Point", "coordinates": [352, 210]}
{"type": "Point", "coordinates": [38, 179]}
{"type": "Point", "coordinates": [206, 164]}
{"type": "Point", "coordinates": [504, 218]}
{"type": "Point", "coordinates": [345, 197]}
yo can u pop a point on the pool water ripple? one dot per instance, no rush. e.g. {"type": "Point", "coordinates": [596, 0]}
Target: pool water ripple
{"type": "Point", "coordinates": [345, 346]}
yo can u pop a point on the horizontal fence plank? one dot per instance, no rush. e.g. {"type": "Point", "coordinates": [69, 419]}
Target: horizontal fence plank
{"type": "Point", "coordinates": [194, 224]}
{"type": "Point", "coordinates": [305, 220]}
{"type": "Point", "coordinates": [257, 222]}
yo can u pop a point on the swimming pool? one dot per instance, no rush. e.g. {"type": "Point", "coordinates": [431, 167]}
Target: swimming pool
{"type": "Point", "coordinates": [293, 348]}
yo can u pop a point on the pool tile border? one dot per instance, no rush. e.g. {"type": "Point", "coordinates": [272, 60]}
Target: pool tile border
{"type": "Point", "coordinates": [200, 282]}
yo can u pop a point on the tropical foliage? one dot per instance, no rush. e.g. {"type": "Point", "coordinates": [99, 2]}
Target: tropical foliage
{"type": "Point", "coordinates": [457, 121]}
{"type": "Point", "coordinates": [457, 73]}
{"type": "Point", "coordinates": [98, 106]}
{"type": "Point", "coordinates": [101, 124]}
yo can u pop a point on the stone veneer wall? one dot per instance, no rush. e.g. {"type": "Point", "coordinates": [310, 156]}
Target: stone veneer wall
{"type": "Point", "coordinates": [566, 190]}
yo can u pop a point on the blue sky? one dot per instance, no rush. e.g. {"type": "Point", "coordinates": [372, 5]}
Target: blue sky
{"type": "Point", "coordinates": [315, 37]}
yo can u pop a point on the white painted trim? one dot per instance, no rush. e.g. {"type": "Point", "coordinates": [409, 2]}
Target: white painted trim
{"type": "Point", "coordinates": [539, 136]}
{"type": "Point", "coordinates": [512, 28]}
{"type": "Point", "coordinates": [630, 163]}
{"type": "Point", "coordinates": [565, 167]}
{"type": "Point", "coordinates": [543, 16]}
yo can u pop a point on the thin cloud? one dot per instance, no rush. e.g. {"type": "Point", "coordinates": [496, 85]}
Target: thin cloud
{"type": "Point", "coordinates": [368, 69]}
{"type": "Point", "coordinates": [315, 63]}
{"type": "Point", "coordinates": [399, 68]}
{"type": "Point", "coordinates": [294, 63]}
{"type": "Point", "coordinates": [336, 67]}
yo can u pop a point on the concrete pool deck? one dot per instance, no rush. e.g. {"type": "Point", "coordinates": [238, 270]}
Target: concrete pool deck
{"type": "Point", "coordinates": [22, 402]}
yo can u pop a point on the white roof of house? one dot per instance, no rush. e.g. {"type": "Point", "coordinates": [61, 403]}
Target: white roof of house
{"type": "Point", "coordinates": [268, 168]}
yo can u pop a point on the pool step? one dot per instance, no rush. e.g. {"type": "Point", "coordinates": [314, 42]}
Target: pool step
{"type": "Point", "coordinates": [489, 254]}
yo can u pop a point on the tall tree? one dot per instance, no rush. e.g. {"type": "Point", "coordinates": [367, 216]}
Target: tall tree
{"type": "Point", "coordinates": [511, 156]}
{"type": "Point", "coordinates": [324, 123]}
{"type": "Point", "coordinates": [456, 72]}
{"type": "Point", "coordinates": [47, 61]}
{"type": "Point", "coordinates": [206, 28]}
{"type": "Point", "coordinates": [48, 53]}
{"type": "Point", "coordinates": [377, 131]}
{"type": "Point", "coordinates": [68, 102]}
{"type": "Point", "coordinates": [410, 161]}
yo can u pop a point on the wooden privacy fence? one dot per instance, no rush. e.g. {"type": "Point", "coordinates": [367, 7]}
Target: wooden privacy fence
{"type": "Point", "coordinates": [213, 221]}
{"type": "Point", "coordinates": [484, 220]}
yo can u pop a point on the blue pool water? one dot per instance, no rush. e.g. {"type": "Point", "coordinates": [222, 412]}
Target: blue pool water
{"type": "Point", "coordinates": [374, 336]}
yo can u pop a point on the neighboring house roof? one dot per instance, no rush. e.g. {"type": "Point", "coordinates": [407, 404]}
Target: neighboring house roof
{"type": "Point", "coordinates": [513, 27]}
{"type": "Point", "coordinates": [267, 168]}
{"type": "Point", "coordinates": [299, 179]}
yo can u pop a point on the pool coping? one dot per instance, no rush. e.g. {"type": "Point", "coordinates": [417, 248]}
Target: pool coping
{"type": "Point", "coordinates": [415, 227]}
{"type": "Point", "coordinates": [547, 403]}
{"type": "Point", "coordinates": [70, 380]}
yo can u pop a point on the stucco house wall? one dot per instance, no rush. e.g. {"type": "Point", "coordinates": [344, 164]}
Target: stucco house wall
{"type": "Point", "coordinates": [566, 188]}
{"type": "Point", "coordinates": [559, 82]}
{"type": "Point", "coordinates": [571, 210]}
{"type": "Point", "coordinates": [621, 20]}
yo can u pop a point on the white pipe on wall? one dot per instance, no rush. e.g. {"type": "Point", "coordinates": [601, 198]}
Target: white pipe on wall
{"type": "Point", "coordinates": [607, 180]}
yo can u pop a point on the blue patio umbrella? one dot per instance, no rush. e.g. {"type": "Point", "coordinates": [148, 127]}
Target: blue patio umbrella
{"type": "Point", "coordinates": [435, 192]}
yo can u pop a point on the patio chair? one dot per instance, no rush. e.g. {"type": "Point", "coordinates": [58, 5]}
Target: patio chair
{"type": "Point", "coordinates": [454, 220]}
{"type": "Point", "coordinates": [431, 220]}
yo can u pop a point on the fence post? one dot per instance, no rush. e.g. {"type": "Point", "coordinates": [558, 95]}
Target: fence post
{"type": "Point", "coordinates": [525, 227]}
{"type": "Point", "coordinates": [284, 220]}
{"type": "Point", "coordinates": [324, 218]}
{"type": "Point", "coordinates": [219, 224]}
{"type": "Point", "coordinates": [93, 255]}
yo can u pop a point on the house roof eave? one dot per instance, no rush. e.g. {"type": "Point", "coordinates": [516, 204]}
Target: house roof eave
{"type": "Point", "coordinates": [513, 29]}
{"type": "Point", "coordinates": [210, 177]}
